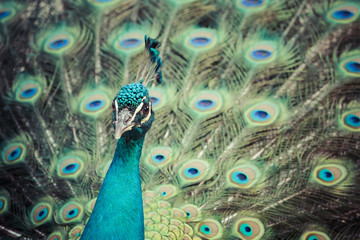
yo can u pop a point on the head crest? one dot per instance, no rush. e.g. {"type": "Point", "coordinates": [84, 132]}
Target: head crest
{"type": "Point", "coordinates": [152, 63]}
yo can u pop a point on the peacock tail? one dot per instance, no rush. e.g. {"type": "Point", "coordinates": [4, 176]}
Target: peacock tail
{"type": "Point", "coordinates": [257, 118]}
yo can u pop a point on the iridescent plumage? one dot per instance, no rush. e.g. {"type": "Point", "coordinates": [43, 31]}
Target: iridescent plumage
{"type": "Point", "coordinates": [257, 123]}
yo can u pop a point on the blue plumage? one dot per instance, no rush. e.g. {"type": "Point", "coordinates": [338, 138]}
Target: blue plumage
{"type": "Point", "coordinates": [118, 212]}
{"type": "Point", "coordinates": [257, 123]}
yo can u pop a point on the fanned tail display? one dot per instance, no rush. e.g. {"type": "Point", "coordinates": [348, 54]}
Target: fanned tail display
{"type": "Point", "coordinates": [254, 105]}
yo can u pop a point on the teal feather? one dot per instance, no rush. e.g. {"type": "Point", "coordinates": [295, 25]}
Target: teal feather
{"type": "Point", "coordinates": [119, 201]}
{"type": "Point", "coordinates": [254, 127]}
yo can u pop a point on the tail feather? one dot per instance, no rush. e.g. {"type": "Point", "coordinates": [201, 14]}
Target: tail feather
{"type": "Point", "coordinates": [256, 121]}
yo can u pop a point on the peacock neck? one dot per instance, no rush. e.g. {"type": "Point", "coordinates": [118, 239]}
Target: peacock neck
{"type": "Point", "coordinates": [118, 212]}
{"type": "Point", "coordinates": [128, 152]}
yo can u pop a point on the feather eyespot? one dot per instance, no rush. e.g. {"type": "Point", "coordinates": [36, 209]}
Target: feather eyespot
{"type": "Point", "coordinates": [351, 120]}
{"type": "Point", "coordinates": [2, 204]}
{"type": "Point", "coordinates": [194, 171]}
{"type": "Point", "coordinates": [263, 52]}
{"type": "Point", "coordinates": [262, 114]}
{"type": "Point", "coordinates": [249, 228]}
{"type": "Point", "coordinates": [159, 156]}
{"type": "Point", "coordinates": [167, 191]}
{"type": "Point", "coordinates": [70, 166]}
{"type": "Point", "coordinates": [350, 66]}
{"type": "Point", "coordinates": [129, 43]}
{"type": "Point", "coordinates": [76, 231]}
{"type": "Point", "coordinates": [55, 236]}
{"type": "Point", "coordinates": [27, 87]}
{"type": "Point", "coordinates": [201, 39]}
{"type": "Point", "coordinates": [59, 43]}
{"type": "Point", "coordinates": [13, 153]}
{"type": "Point", "coordinates": [252, 3]}
{"type": "Point", "coordinates": [243, 176]}
{"type": "Point", "coordinates": [155, 101]}
{"type": "Point", "coordinates": [353, 66]}
{"type": "Point", "coordinates": [314, 235]}
{"type": "Point", "coordinates": [94, 103]}
{"type": "Point", "coordinates": [205, 229]}
{"type": "Point", "coordinates": [192, 212]}
{"type": "Point", "coordinates": [28, 91]}
{"type": "Point", "coordinates": [260, 54]}
{"type": "Point", "coordinates": [71, 212]}
{"type": "Point", "coordinates": [4, 201]}
{"type": "Point", "coordinates": [206, 102]}
{"type": "Point", "coordinates": [157, 97]}
{"type": "Point", "coordinates": [191, 172]}
{"type": "Point", "coordinates": [329, 174]}
{"type": "Point", "coordinates": [210, 229]}
{"type": "Point", "coordinates": [344, 13]}
{"type": "Point", "coordinates": [41, 213]}
{"type": "Point", "coordinates": [6, 14]}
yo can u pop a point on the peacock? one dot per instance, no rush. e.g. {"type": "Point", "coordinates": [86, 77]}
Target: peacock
{"type": "Point", "coordinates": [121, 189]}
{"type": "Point", "coordinates": [241, 120]}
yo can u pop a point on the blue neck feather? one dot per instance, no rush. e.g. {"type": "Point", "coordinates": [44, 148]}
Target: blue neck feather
{"type": "Point", "coordinates": [118, 212]}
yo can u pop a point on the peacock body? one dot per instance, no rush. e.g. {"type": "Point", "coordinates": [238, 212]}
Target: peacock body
{"type": "Point", "coordinates": [256, 128]}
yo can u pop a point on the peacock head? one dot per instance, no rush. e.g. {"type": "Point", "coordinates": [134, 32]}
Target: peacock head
{"type": "Point", "coordinates": [132, 113]}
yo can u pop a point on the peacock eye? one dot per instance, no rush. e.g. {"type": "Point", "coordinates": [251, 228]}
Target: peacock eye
{"type": "Point", "coordinates": [145, 110]}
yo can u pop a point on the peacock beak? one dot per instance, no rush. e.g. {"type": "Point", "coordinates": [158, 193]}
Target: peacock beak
{"type": "Point", "coordinates": [124, 122]}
